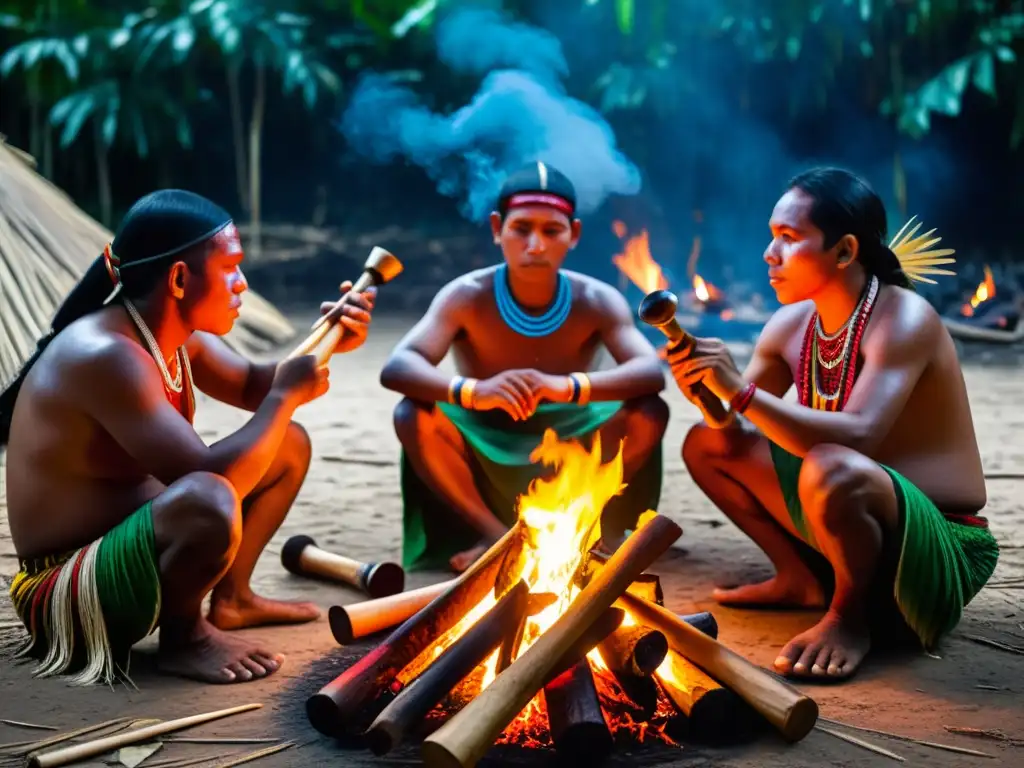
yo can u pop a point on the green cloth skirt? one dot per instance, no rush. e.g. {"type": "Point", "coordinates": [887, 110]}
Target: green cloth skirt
{"type": "Point", "coordinates": [942, 564]}
{"type": "Point", "coordinates": [500, 456]}
{"type": "Point", "coordinates": [84, 610]}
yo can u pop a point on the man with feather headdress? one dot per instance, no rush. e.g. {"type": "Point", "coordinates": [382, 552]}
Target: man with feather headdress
{"type": "Point", "coordinates": [865, 493]}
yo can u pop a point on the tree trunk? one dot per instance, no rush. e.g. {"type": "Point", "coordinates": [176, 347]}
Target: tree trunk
{"type": "Point", "coordinates": [238, 135]}
{"type": "Point", "coordinates": [103, 179]}
{"type": "Point", "coordinates": [255, 141]}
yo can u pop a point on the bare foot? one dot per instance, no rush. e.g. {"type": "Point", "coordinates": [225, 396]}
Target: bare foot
{"type": "Point", "coordinates": [255, 611]}
{"type": "Point", "coordinates": [830, 650]}
{"type": "Point", "coordinates": [211, 656]}
{"type": "Point", "coordinates": [800, 592]}
{"type": "Point", "coordinates": [463, 560]}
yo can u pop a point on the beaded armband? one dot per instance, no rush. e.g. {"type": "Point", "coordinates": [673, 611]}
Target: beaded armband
{"type": "Point", "coordinates": [460, 391]}
{"type": "Point", "coordinates": [580, 394]}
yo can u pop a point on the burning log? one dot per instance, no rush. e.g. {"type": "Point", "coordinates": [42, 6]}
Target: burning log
{"type": "Point", "coordinates": [787, 709]}
{"type": "Point", "coordinates": [300, 555]}
{"type": "Point", "coordinates": [333, 710]}
{"type": "Point", "coordinates": [411, 705]}
{"type": "Point", "coordinates": [576, 721]}
{"type": "Point", "coordinates": [646, 586]}
{"type": "Point", "coordinates": [634, 650]}
{"type": "Point", "coordinates": [350, 622]}
{"type": "Point", "coordinates": [609, 620]}
{"type": "Point", "coordinates": [712, 713]}
{"type": "Point", "coordinates": [464, 739]}
{"type": "Point", "coordinates": [703, 622]}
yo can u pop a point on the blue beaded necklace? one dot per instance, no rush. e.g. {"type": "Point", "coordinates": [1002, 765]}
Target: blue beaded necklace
{"type": "Point", "coordinates": [532, 325]}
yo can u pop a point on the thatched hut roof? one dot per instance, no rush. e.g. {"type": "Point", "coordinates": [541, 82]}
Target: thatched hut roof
{"type": "Point", "coordinates": [47, 243]}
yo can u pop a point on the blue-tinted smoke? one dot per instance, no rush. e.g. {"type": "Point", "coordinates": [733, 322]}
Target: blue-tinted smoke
{"type": "Point", "coordinates": [519, 115]}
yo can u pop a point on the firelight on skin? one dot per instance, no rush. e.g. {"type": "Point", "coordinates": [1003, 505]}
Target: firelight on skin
{"type": "Point", "coordinates": [863, 499]}
{"type": "Point", "coordinates": [524, 334]}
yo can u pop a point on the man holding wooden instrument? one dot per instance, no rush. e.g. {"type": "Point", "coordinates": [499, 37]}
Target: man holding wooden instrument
{"type": "Point", "coordinates": [122, 517]}
{"type": "Point", "coordinates": [524, 336]}
{"type": "Point", "coordinates": [872, 479]}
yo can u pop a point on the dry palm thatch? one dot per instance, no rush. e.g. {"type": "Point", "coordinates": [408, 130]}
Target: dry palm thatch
{"type": "Point", "coordinates": [47, 243]}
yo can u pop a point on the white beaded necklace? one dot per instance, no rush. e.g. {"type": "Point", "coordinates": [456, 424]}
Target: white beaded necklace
{"type": "Point", "coordinates": [175, 384]}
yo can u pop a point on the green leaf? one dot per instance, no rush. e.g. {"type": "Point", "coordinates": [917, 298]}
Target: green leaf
{"type": "Point", "coordinates": [419, 14]}
{"type": "Point", "coordinates": [1005, 54]}
{"type": "Point", "coordinates": [139, 134]}
{"type": "Point", "coordinates": [109, 129]}
{"type": "Point", "coordinates": [625, 16]}
{"type": "Point", "coordinates": [985, 74]}
{"type": "Point", "coordinates": [81, 105]}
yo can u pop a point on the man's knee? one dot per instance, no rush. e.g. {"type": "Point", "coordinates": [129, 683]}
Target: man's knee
{"type": "Point", "coordinates": [297, 448]}
{"type": "Point", "coordinates": [648, 417]}
{"type": "Point", "coordinates": [202, 509]}
{"type": "Point", "coordinates": [704, 447]}
{"type": "Point", "coordinates": [413, 422]}
{"type": "Point", "coordinates": [832, 480]}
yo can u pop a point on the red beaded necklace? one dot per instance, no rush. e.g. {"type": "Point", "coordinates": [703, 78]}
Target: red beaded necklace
{"type": "Point", "coordinates": [828, 362]}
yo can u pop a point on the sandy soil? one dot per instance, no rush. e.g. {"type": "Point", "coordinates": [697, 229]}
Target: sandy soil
{"type": "Point", "coordinates": [354, 508]}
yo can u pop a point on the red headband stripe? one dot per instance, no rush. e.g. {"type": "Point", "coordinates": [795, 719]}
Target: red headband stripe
{"type": "Point", "coordinates": [537, 198]}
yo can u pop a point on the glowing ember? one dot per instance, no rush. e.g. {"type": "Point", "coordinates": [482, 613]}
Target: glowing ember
{"type": "Point", "coordinates": [986, 290]}
{"type": "Point", "coordinates": [637, 263]}
{"type": "Point", "coordinates": [561, 516]}
{"type": "Point", "coordinates": [705, 291]}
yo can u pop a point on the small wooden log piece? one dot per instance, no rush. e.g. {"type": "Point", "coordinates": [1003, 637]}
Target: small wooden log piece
{"type": "Point", "coordinates": [351, 622]}
{"type": "Point", "coordinates": [575, 719]}
{"type": "Point", "coordinates": [338, 707]}
{"type": "Point", "coordinates": [300, 555]}
{"type": "Point", "coordinates": [634, 650]}
{"type": "Point", "coordinates": [466, 737]}
{"type": "Point", "coordinates": [447, 670]}
{"type": "Point", "coordinates": [646, 586]}
{"type": "Point", "coordinates": [713, 714]}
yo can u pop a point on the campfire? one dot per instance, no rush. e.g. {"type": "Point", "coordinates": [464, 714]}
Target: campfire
{"type": "Point", "coordinates": [985, 291]}
{"type": "Point", "coordinates": [547, 643]}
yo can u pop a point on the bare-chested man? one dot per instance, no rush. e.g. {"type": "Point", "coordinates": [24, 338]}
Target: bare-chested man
{"type": "Point", "coordinates": [524, 336]}
{"type": "Point", "coordinates": [122, 517]}
{"type": "Point", "coordinates": [875, 471]}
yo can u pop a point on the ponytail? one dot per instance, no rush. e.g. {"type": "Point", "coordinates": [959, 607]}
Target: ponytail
{"type": "Point", "coordinates": [880, 261]}
{"type": "Point", "coordinates": [88, 295]}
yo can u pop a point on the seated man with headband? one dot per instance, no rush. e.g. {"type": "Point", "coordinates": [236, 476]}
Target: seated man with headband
{"type": "Point", "coordinates": [122, 517]}
{"type": "Point", "coordinates": [524, 335]}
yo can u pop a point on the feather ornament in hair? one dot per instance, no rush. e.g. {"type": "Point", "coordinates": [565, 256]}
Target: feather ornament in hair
{"type": "Point", "coordinates": [915, 258]}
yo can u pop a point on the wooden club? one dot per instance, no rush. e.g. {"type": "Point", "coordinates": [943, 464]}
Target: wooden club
{"type": "Point", "coordinates": [381, 267]}
{"type": "Point", "coordinates": [466, 737]}
{"type": "Point", "coordinates": [300, 555]}
{"type": "Point", "coordinates": [789, 710]}
{"type": "Point", "coordinates": [658, 309]}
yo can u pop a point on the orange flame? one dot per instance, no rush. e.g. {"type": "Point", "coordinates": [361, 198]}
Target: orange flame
{"type": "Point", "coordinates": [986, 290]}
{"type": "Point", "coordinates": [636, 261]}
{"type": "Point", "coordinates": [561, 516]}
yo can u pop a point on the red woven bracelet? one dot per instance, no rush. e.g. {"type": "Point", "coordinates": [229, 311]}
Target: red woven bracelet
{"type": "Point", "coordinates": [741, 401]}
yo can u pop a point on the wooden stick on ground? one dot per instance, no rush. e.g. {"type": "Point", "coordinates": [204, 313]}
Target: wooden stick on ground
{"type": "Point", "coordinates": [908, 739]}
{"type": "Point", "coordinates": [256, 755]}
{"type": "Point", "coordinates": [19, 724]}
{"type": "Point", "coordinates": [860, 743]}
{"type": "Point", "coordinates": [77, 752]}
{"type": "Point", "coordinates": [25, 747]}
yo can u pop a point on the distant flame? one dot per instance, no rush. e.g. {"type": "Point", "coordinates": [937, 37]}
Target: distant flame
{"type": "Point", "coordinates": [986, 290]}
{"type": "Point", "coordinates": [636, 261]}
{"type": "Point", "coordinates": [705, 291]}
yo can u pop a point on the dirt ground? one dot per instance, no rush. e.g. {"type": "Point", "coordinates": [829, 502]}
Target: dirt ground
{"type": "Point", "coordinates": [354, 508]}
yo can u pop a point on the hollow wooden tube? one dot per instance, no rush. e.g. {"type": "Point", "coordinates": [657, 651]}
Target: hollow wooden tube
{"type": "Point", "coordinates": [446, 671]}
{"type": "Point", "coordinates": [351, 622]}
{"type": "Point", "coordinates": [713, 713]}
{"type": "Point", "coordinates": [576, 721]}
{"type": "Point", "coordinates": [335, 708]}
{"type": "Point", "coordinates": [634, 650]}
{"type": "Point", "coordinates": [790, 711]}
{"type": "Point", "coordinates": [466, 737]}
{"type": "Point", "coordinates": [301, 555]}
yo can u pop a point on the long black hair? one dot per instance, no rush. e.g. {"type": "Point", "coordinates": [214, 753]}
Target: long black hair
{"type": "Point", "coordinates": [845, 204]}
{"type": "Point", "coordinates": [162, 228]}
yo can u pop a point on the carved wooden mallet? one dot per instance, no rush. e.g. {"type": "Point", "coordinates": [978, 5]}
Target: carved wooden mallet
{"type": "Point", "coordinates": [658, 309]}
{"type": "Point", "coordinates": [381, 267]}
